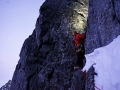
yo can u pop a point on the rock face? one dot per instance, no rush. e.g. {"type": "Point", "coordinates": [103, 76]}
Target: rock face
{"type": "Point", "coordinates": [6, 86]}
{"type": "Point", "coordinates": [48, 55]}
{"type": "Point", "coordinates": [102, 27]}
{"type": "Point", "coordinates": [103, 23]}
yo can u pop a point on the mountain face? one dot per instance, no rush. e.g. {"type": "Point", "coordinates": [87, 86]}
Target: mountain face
{"type": "Point", "coordinates": [103, 23]}
{"type": "Point", "coordinates": [48, 55]}
{"type": "Point", "coordinates": [6, 86]}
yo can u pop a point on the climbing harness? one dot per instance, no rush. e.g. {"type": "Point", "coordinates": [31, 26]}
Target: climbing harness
{"type": "Point", "coordinates": [90, 82]}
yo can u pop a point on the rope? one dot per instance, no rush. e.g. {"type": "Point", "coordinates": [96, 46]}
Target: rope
{"type": "Point", "coordinates": [90, 82]}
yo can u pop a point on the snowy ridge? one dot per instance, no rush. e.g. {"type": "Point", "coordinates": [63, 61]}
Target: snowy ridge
{"type": "Point", "coordinates": [106, 61]}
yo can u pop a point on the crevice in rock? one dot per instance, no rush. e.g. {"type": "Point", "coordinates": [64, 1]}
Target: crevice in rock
{"type": "Point", "coordinates": [115, 16]}
{"type": "Point", "coordinates": [28, 81]}
{"type": "Point", "coordinates": [48, 54]}
{"type": "Point", "coordinates": [50, 75]}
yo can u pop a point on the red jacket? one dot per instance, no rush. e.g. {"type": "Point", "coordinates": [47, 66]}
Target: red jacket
{"type": "Point", "coordinates": [79, 38]}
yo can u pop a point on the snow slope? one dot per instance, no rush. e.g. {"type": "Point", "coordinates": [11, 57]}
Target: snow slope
{"type": "Point", "coordinates": [106, 61]}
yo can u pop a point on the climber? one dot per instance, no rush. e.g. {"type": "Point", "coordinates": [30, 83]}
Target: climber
{"type": "Point", "coordinates": [79, 41]}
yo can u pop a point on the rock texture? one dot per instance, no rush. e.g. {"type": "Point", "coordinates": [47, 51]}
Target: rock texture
{"type": "Point", "coordinates": [103, 23]}
{"type": "Point", "coordinates": [102, 27]}
{"type": "Point", "coordinates": [6, 86]}
{"type": "Point", "coordinates": [47, 56]}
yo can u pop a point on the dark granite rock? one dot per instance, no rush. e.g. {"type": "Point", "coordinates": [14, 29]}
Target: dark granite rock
{"type": "Point", "coordinates": [103, 26]}
{"type": "Point", "coordinates": [103, 23]}
{"type": "Point", "coordinates": [6, 86]}
{"type": "Point", "coordinates": [48, 55]}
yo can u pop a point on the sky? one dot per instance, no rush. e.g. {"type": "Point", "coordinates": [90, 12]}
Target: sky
{"type": "Point", "coordinates": [106, 61]}
{"type": "Point", "coordinates": [17, 22]}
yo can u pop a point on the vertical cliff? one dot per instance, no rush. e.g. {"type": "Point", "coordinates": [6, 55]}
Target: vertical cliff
{"type": "Point", "coordinates": [103, 23]}
{"type": "Point", "coordinates": [102, 27]}
{"type": "Point", "coordinates": [48, 55]}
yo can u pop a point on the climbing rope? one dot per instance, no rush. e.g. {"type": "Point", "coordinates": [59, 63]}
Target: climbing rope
{"type": "Point", "coordinates": [90, 82]}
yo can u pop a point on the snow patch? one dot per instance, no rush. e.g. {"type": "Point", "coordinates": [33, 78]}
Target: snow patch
{"type": "Point", "coordinates": [106, 61]}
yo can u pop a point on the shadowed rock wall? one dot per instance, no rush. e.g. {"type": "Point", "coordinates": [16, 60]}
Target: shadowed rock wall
{"type": "Point", "coordinates": [102, 27]}
{"type": "Point", "coordinates": [48, 55]}
{"type": "Point", "coordinates": [103, 23]}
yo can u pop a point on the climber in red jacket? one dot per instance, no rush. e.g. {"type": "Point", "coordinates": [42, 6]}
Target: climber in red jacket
{"type": "Point", "coordinates": [79, 41]}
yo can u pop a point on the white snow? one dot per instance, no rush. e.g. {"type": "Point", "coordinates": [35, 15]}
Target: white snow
{"type": "Point", "coordinates": [106, 61]}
